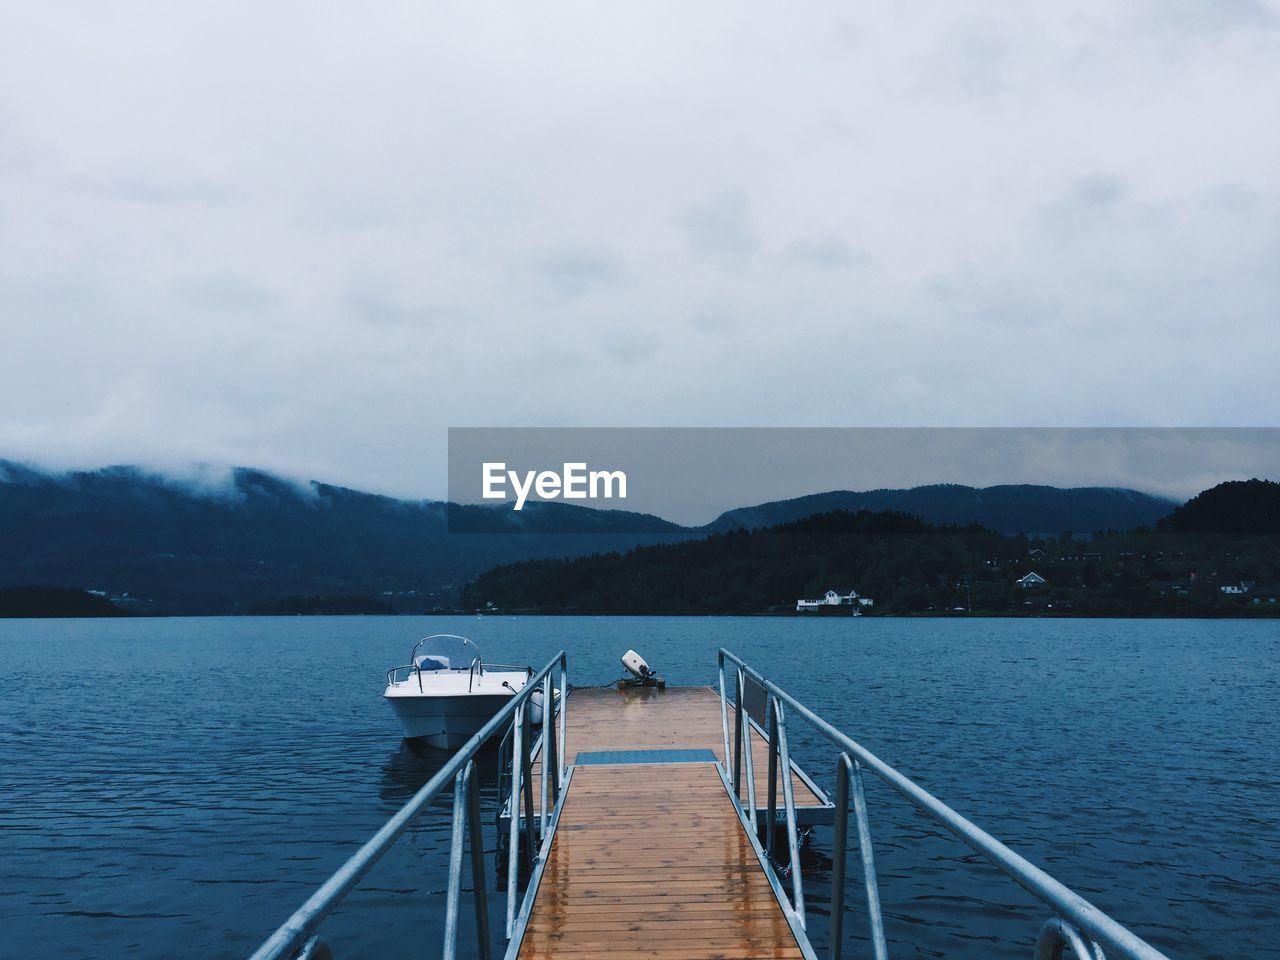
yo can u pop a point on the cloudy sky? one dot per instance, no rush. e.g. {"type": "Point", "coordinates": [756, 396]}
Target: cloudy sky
{"type": "Point", "coordinates": [310, 238]}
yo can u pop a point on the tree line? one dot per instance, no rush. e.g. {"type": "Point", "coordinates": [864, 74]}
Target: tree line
{"type": "Point", "coordinates": [1224, 537]}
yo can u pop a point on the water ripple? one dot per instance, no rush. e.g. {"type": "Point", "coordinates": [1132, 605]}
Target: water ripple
{"type": "Point", "coordinates": [190, 782]}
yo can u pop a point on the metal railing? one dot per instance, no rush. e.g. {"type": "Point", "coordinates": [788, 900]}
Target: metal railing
{"type": "Point", "coordinates": [412, 669]}
{"type": "Point", "coordinates": [1076, 923]}
{"type": "Point", "coordinates": [296, 938]}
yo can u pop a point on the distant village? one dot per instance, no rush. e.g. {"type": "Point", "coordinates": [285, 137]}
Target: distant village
{"type": "Point", "coordinates": [1068, 580]}
{"type": "Point", "coordinates": [836, 604]}
{"type": "Point", "coordinates": [1252, 590]}
{"type": "Point", "coordinates": [1160, 576]}
{"type": "Point", "coordinates": [1075, 581]}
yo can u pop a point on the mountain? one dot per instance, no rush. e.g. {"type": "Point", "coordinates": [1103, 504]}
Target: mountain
{"type": "Point", "coordinates": [259, 542]}
{"type": "Point", "coordinates": [1238, 507]}
{"type": "Point", "coordinates": [158, 545]}
{"type": "Point", "coordinates": [1009, 509]}
{"type": "Point", "coordinates": [54, 602]}
{"type": "Point", "coordinates": [905, 566]}
{"type": "Point", "coordinates": [738, 571]}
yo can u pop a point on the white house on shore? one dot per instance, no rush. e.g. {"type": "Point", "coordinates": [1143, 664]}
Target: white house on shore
{"type": "Point", "coordinates": [833, 602]}
{"type": "Point", "coordinates": [1032, 579]}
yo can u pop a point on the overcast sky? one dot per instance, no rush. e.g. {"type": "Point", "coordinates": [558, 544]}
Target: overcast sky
{"type": "Point", "coordinates": [311, 238]}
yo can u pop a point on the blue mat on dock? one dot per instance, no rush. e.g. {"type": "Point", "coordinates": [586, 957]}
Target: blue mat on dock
{"type": "Point", "coordinates": [600, 757]}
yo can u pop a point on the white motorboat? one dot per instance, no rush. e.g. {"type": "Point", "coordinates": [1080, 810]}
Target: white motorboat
{"type": "Point", "coordinates": [446, 692]}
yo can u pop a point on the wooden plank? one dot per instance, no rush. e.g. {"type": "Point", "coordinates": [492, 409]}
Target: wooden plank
{"type": "Point", "coordinates": [624, 880]}
{"type": "Point", "coordinates": [677, 718]}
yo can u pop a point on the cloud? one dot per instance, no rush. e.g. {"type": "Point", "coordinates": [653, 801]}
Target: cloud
{"type": "Point", "coordinates": [382, 308]}
{"type": "Point", "coordinates": [224, 293]}
{"type": "Point", "coordinates": [826, 251]}
{"type": "Point", "coordinates": [380, 224]}
{"type": "Point", "coordinates": [154, 190]}
{"type": "Point", "coordinates": [1096, 191]}
{"type": "Point", "coordinates": [713, 321]}
{"type": "Point", "coordinates": [719, 227]}
{"type": "Point", "coordinates": [630, 345]}
{"type": "Point", "coordinates": [574, 274]}
{"type": "Point", "coordinates": [1193, 18]}
{"type": "Point", "coordinates": [973, 58]}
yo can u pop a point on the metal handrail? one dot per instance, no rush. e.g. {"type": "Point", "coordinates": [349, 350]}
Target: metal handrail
{"type": "Point", "coordinates": [1076, 917]}
{"type": "Point", "coordinates": [848, 772]}
{"type": "Point", "coordinates": [780, 764]}
{"type": "Point", "coordinates": [508, 667]}
{"type": "Point", "coordinates": [296, 935]}
{"type": "Point", "coordinates": [551, 745]}
{"type": "Point", "coordinates": [439, 636]}
{"type": "Point", "coordinates": [411, 667]}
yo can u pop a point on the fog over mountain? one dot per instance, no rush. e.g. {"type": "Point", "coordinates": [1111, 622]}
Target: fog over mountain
{"type": "Point", "coordinates": [181, 545]}
{"type": "Point", "coordinates": [1022, 508]}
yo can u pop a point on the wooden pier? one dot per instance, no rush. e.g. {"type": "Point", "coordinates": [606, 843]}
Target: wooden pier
{"type": "Point", "coordinates": [677, 718]}
{"type": "Point", "coordinates": [643, 850]}
{"type": "Point", "coordinates": [649, 858]}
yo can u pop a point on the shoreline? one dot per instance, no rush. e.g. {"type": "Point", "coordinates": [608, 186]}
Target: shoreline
{"type": "Point", "coordinates": [534, 614]}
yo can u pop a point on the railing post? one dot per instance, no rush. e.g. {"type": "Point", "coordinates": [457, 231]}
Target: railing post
{"type": "Point", "coordinates": [564, 708]}
{"type": "Point", "coordinates": [513, 830]}
{"type": "Point", "coordinates": [848, 771]}
{"type": "Point", "coordinates": [841, 843]}
{"type": "Point", "coordinates": [724, 710]}
{"type": "Point", "coordinates": [748, 760]}
{"type": "Point", "coordinates": [457, 842]}
{"type": "Point", "coordinates": [481, 888]}
{"type": "Point", "coordinates": [548, 758]}
{"type": "Point", "coordinates": [788, 796]}
{"type": "Point", "coordinates": [551, 754]}
{"type": "Point", "coordinates": [1056, 934]}
{"type": "Point", "coordinates": [526, 774]}
{"type": "Point", "coordinates": [879, 946]}
{"type": "Point", "coordinates": [771, 715]}
{"type": "Point", "coordinates": [737, 735]}
{"type": "Point", "coordinates": [315, 949]}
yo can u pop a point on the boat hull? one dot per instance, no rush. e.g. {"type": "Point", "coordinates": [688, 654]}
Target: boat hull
{"type": "Point", "coordinates": [446, 722]}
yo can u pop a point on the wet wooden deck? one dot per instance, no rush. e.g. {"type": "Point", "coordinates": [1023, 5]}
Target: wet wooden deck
{"type": "Point", "coordinates": [649, 859]}
{"type": "Point", "coordinates": [677, 718]}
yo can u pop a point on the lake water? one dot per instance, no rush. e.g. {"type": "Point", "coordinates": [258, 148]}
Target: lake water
{"type": "Point", "coordinates": [178, 787]}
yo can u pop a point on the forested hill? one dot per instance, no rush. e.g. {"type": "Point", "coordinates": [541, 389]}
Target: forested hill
{"type": "Point", "coordinates": [1236, 508]}
{"type": "Point", "coordinates": [905, 566]}
{"type": "Point", "coordinates": [255, 542]}
{"type": "Point", "coordinates": [739, 571]}
{"type": "Point", "coordinates": [1009, 508]}
{"type": "Point", "coordinates": [39, 601]}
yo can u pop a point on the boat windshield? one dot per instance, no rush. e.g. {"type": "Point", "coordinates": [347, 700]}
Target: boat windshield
{"type": "Point", "coordinates": [445, 652]}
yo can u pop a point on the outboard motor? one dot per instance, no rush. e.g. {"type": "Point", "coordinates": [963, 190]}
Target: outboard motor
{"type": "Point", "coordinates": [641, 674]}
